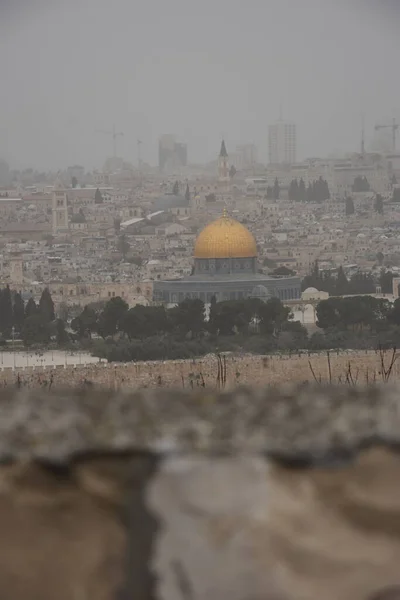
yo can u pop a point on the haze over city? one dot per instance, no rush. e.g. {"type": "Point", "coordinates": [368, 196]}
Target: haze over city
{"type": "Point", "coordinates": [200, 70]}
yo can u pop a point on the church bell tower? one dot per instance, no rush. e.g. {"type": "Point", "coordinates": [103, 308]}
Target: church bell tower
{"type": "Point", "coordinates": [223, 166]}
{"type": "Point", "coordinates": [60, 209]}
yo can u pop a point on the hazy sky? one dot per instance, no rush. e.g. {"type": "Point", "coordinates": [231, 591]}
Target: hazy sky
{"type": "Point", "coordinates": [199, 69]}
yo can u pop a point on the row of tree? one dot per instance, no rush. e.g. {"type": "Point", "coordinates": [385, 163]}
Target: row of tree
{"type": "Point", "coordinates": [34, 323]}
{"type": "Point", "coordinates": [186, 319]}
{"type": "Point", "coordinates": [317, 191]}
{"type": "Point", "coordinates": [337, 284]}
{"type": "Point", "coordinates": [358, 313]}
{"type": "Point", "coordinates": [350, 209]}
{"type": "Point", "coordinates": [361, 184]}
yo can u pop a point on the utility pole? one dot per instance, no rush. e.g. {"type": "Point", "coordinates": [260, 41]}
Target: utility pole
{"type": "Point", "coordinates": [115, 134]}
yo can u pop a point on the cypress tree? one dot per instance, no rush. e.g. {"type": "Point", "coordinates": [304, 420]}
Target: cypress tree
{"type": "Point", "coordinates": [46, 306]}
{"type": "Point", "coordinates": [6, 310]}
{"type": "Point", "coordinates": [296, 190]}
{"type": "Point", "coordinates": [18, 311]}
{"type": "Point", "coordinates": [302, 191]}
{"type": "Point", "coordinates": [187, 194]}
{"type": "Point", "coordinates": [98, 198]}
{"type": "Point", "coordinates": [30, 308]}
{"type": "Point", "coordinates": [276, 189]}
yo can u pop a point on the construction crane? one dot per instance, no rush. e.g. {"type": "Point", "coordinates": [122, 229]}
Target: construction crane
{"type": "Point", "coordinates": [115, 134]}
{"type": "Point", "coordinates": [394, 127]}
{"type": "Point", "coordinates": [139, 143]}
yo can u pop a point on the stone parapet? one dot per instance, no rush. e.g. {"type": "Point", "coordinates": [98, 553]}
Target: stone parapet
{"type": "Point", "coordinates": [287, 493]}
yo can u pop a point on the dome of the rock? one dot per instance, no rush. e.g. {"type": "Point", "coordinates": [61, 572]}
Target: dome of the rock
{"type": "Point", "coordinates": [225, 238]}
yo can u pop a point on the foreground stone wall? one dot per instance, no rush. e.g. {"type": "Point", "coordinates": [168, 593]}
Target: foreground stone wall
{"type": "Point", "coordinates": [283, 494]}
{"type": "Point", "coordinates": [357, 367]}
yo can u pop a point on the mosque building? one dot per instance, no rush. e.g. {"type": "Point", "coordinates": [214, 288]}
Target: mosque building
{"type": "Point", "coordinates": [225, 266]}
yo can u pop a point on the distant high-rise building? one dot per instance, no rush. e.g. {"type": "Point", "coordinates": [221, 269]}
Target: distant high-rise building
{"type": "Point", "coordinates": [245, 156]}
{"type": "Point", "coordinates": [5, 177]}
{"type": "Point", "coordinates": [76, 172]}
{"type": "Point", "coordinates": [171, 154]}
{"type": "Point", "coordinates": [282, 143]}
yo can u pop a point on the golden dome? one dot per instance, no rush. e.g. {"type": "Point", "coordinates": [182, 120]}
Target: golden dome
{"type": "Point", "coordinates": [225, 238]}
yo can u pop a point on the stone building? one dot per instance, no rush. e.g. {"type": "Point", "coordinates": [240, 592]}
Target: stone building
{"type": "Point", "coordinates": [225, 266]}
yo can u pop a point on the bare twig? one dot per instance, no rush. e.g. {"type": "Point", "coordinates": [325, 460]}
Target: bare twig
{"type": "Point", "coordinates": [312, 371]}
{"type": "Point", "coordinates": [329, 366]}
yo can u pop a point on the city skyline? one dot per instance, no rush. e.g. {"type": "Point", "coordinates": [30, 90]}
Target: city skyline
{"type": "Point", "coordinates": [182, 72]}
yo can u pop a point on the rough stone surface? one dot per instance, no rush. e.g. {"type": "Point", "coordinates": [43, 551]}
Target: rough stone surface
{"type": "Point", "coordinates": [211, 513]}
{"type": "Point", "coordinates": [299, 424]}
{"type": "Point", "coordinates": [264, 494]}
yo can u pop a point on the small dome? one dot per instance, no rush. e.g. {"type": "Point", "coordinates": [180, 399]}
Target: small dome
{"type": "Point", "coordinates": [311, 290]}
{"type": "Point", "coordinates": [261, 292]}
{"type": "Point", "coordinates": [225, 238]}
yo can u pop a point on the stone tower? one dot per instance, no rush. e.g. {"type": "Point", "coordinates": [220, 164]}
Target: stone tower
{"type": "Point", "coordinates": [223, 165]}
{"type": "Point", "coordinates": [60, 209]}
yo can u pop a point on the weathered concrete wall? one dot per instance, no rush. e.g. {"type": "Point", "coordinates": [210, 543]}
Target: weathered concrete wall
{"type": "Point", "coordinates": [283, 494]}
{"type": "Point", "coordinates": [240, 370]}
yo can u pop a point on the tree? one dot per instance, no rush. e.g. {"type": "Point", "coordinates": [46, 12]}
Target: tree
{"type": "Point", "coordinates": [111, 317]}
{"type": "Point", "coordinates": [85, 324]}
{"type": "Point", "coordinates": [327, 313]}
{"type": "Point", "coordinates": [378, 205]}
{"type": "Point", "coordinates": [349, 206]}
{"type": "Point", "coordinates": [63, 311]}
{"type": "Point", "coordinates": [232, 172]}
{"type": "Point", "coordinates": [123, 246]}
{"type": "Point", "coordinates": [394, 180]}
{"type": "Point", "coordinates": [310, 193]}
{"type": "Point", "coordinates": [74, 182]}
{"type": "Point", "coordinates": [187, 194]}
{"type": "Point", "coordinates": [46, 306]}
{"type": "Point", "coordinates": [272, 315]}
{"type": "Point", "coordinates": [144, 321]}
{"type": "Point", "coordinates": [30, 308]}
{"type": "Point", "coordinates": [224, 318]}
{"type": "Point", "coordinates": [342, 284]}
{"type": "Point", "coordinates": [270, 193]}
{"type": "Point", "coordinates": [394, 316]}
{"type": "Point", "coordinates": [361, 283]}
{"type": "Point", "coordinates": [188, 316]}
{"type": "Point", "coordinates": [98, 198]}
{"type": "Point", "coordinates": [18, 312]}
{"type": "Point", "coordinates": [6, 311]}
{"type": "Point", "coordinates": [35, 330]}
{"type": "Point", "coordinates": [380, 258]}
{"type": "Point", "coordinates": [61, 335]}
{"type": "Point", "coordinates": [396, 194]}
{"type": "Point", "coordinates": [293, 192]}
{"type": "Point", "coordinates": [175, 189]}
{"type": "Point", "coordinates": [361, 184]}
{"type": "Point", "coordinates": [302, 194]}
{"type": "Point", "coordinates": [276, 189]}
{"type": "Point", "coordinates": [386, 281]}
